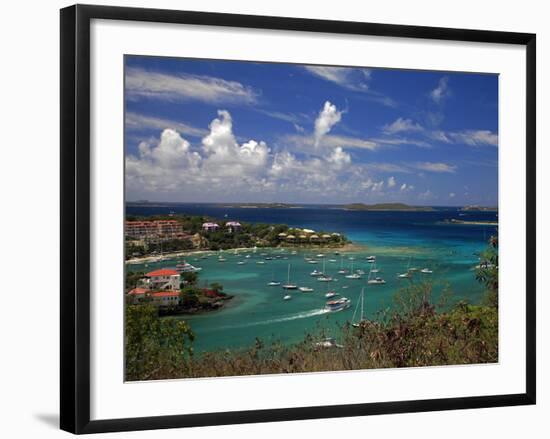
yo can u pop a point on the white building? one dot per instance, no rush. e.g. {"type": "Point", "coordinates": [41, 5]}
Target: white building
{"type": "Point", "coordinates": [210, 227]}
{"type": "Point", "coordinates": [164, 279]}
{"type": "Point", "coordinates": [233, 226]}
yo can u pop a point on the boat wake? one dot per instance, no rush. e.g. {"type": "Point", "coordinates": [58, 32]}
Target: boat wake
{"type": "Point", "coordinates": [297, 316]}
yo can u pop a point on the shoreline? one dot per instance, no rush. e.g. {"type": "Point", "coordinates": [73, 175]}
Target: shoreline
{"type": "Point", "coordinates": [348, 248]}
{"type": "Point", "coordinates": [472, 223]}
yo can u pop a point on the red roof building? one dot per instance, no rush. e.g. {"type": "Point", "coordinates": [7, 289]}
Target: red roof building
{"type": "Point", "coordinates": [162, 272]}
{"type": "Point", "coordinates": [138, 292]}
{"type": "Point", "coordinates": [165, 294]}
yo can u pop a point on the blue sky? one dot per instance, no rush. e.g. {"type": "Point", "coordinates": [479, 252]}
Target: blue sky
{"type": "Point", "coordinates": [227, 131]}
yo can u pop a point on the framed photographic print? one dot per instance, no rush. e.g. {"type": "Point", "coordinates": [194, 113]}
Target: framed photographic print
{"type": "Point", "coordinates": [269, 218]}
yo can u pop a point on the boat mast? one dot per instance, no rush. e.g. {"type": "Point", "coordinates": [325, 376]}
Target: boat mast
{"type": "Point", "coordinates": [362, 297]}
{"type": "Point", "coordinates": [288, 277]}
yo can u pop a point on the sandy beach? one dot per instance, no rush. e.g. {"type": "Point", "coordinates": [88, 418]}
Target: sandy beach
{"type": "Point", "coordinates": [348, 248]}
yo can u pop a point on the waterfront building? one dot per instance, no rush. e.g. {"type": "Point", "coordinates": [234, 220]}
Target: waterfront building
{"type": "Point", "coordinates": [233, 226]}
{"type": "Point", "coordinates": [210, 227]}
{"type": "Point", "coordinates": [153, 229]}
{"type": "Point", "coordinates": [137, 295]}
{"type": "Point", "coordinates": [165, 298]}
{"type": "Point", "coordinates": [163, 279]}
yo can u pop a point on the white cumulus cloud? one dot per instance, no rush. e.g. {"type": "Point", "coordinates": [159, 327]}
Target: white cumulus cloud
{"type": "Point", "coordinates": [327, 118]}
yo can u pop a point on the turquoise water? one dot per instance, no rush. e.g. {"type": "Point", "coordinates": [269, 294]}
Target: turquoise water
{"type": "Point", "coordinates": [397, 239]}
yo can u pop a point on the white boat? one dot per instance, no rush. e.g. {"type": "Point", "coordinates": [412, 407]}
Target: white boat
{"type": "Point", "coordinates": [241, 263]}
{"type": "Point", "coordinates": [288, 285]}
{"type": "Point", "coordinates": [332, 260]}
{"type": "Point", "coordinates": [353, 275]}
{"type": "Point", "coordinates": [260, 262]}
{"type": "Point", "coordinates": [371, 258]}
{"type": "Point", "coordinates": [338, 304]}
{"type": "Point", "coordinates": [376, 281]}
{"type": "Point", "coordinates": [324, 278]}
{"type": "Point", "coordinates": [187, 268]}
{"type": "Point", "coordinates": [316, 273]}
{"type": "Point", "coordinates": [221, 259]}
{"type": "Point", "coordinates": [320, 255]}
{"type": "Point", "coordinates": [305, 289]}
{"type": "Point", "coordinates": [361, 318]}
{"type": "Point", "coordinates": [287, 297]}
{"type": "Point", "coordinates": [361, 272]}
{"type": "Point", "coordinates": [274, 283]}
{"type": "Point", "coordinates": [247, 256]}
{"type": "Point", "coordinates": [312, 261]}
{"type": "Point", "coordinates": [408, 273]}
{"type": "Point", "coordinates": [342, 269]}
{"type": "Point", "coordinates": [426, 271]}
{"type": "Point", "coordinates": [331, 294]}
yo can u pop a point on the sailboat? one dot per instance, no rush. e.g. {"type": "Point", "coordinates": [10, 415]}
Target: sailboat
{"type": "Point", "coordinates": [353, 275]}
{"type": "Point", "coordinates": [323, 277]}
{"type": "Point", "coordinates": [288, 285]}
{"type": "Point", "coordinates": [426, 271]}
{"type": "Point", "coordinates": [361, 318]}
{"type": "Point", "coordinates": [273, 282]}
{"type": "Point", "coordinates": [377, 279]}
{"type": "Point", "coordinates": [407, 274]}
{"type": "Point", "coordinates": [342, 269]}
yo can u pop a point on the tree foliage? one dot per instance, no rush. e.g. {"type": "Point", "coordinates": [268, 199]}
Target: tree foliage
{"type": "Point", "coordinates": [155, 346]}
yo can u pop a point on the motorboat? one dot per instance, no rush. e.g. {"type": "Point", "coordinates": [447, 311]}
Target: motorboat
{"type": "Point", "coordinates": [376, 281]}
{"type": "Point", "coordinates": [338, 304]}
{"type": "Point", "coordinates": [185, 267]}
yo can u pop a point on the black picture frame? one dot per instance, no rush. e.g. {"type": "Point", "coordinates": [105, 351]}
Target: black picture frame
{"type": "Point", "coordinates": [75, 217]}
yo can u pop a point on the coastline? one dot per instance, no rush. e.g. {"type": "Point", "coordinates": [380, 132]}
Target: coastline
{"type": "Point", "coordinates": [347, 248]}
{"type": "Point", "coordinates": [472, 223]}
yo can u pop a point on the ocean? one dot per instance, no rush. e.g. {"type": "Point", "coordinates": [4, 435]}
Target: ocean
{"type": "Point", "coordinates": [398, 239]}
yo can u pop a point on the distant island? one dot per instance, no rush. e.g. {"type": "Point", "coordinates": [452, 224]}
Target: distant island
{"type": "Point", "coordinates": [262, 205]}
{"type": "Point", "coordinates": [472, 223]}
{"type": "Point", "coordinates": [476, 208]}
{"type": "Point", "coordinates": [387, 206]}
